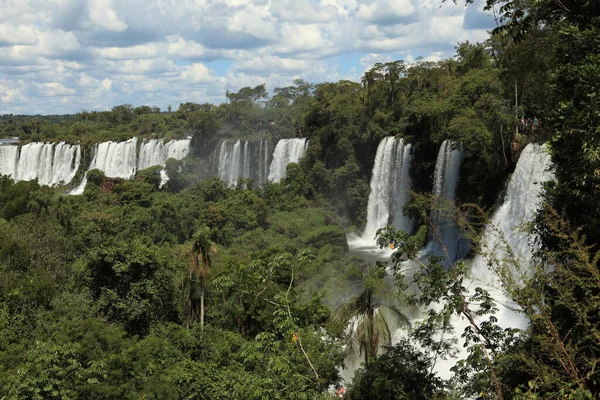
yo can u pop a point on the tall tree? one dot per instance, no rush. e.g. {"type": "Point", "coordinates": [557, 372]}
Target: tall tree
{"type": "Point", "coordinates": [202, 250]}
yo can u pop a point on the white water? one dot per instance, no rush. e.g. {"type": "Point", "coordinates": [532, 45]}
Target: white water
{"type": "Point", "coordinates": [505, 232]}
{"type": "Point", "coordinates": [232, 161]}
{"type": "Point", "coordinates": [505, 243]}
{"type": "Point", "coordinates": [51, 164]}
{"type": "Point", "coordinates": [120, 159]}
{"type": "Point", "coordinates": [390, 192]}
{"type": "Point", "coordinates": [263, 162]}
{"type": "Point", "coordinates": [287, 151]}
{"type": "Point", "coordinates": [8, 160]}
{"type": "Point", "coordinates": [445, 237]}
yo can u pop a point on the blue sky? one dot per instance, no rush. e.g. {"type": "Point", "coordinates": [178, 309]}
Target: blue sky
{"type": "Point", "coordinates": [63, 56]}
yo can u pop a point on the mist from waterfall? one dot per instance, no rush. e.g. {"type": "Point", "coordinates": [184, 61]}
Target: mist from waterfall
{"type": "Point", "coordinates": [52, 164]}
{"type": "Point", "coordinates": [287, 151]}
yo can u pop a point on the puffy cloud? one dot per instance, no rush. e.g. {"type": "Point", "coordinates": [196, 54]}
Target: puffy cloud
{"type": "Point", "coordinates": [386, 12]}
{"type": "Point", "coordinates": [65, 55]}
{"type": "Point", "coordinates": [103, 16]}
{"type": "Point", "coordinates": [143, 51]}
{"type": "Point", "coordinates": [17, 35]}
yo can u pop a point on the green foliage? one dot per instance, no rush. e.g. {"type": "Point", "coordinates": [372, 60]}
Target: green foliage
{"type": "Point", "coordinates": [401, 372]}
{"type": "Point", "coordinates": [95, 177]}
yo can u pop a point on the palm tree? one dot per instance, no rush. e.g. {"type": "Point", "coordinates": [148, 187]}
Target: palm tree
{"type": "Point", "coordinates": [363, 318]}
{"type": "Point", "coordinates": [202, 250]}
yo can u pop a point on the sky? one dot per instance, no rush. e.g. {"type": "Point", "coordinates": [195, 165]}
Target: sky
{"type": "Point", "coordinates": [65, 56]}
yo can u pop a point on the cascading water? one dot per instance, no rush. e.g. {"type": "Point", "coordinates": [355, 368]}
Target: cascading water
{"type": "Point", "coordinates": [51, 164]}
{"type": "Point", "coordinates": [65, 163]}
{"type": "Point", "coordinates": [503, 236]}
{"type": "Point", "coordinates": [263, 162]}
{"type": "Point", "coordinates": [287, 151]}
{"type": "Point", "coordinates": [177, 149]}
{"type": "Point", "coordinates": [246, 161]}
{"type": "Point", "coordinates": [9, 157]}
{"type": "Point", "coordinates": [445, 236]}
{"type": "Point", "coordinates": [390, 191]}
{"type": "Point", "coordinates": [120, 159]}
{"type": "Point", "coordinates": [504, 242]}
{"type": "Point", "coordinates": [231, 161]}
{"type": "Point", "coordinates": [116, 159]}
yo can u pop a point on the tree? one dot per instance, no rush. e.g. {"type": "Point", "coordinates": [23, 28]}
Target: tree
{"type": "Point", "coordinates": [252, 95]}
{"type": "Point", "coordinates": [362, 321]}
{"type": "Point", "coordinates": [401, 372]}
{"type": "Point", "coordinates": [202, 251]}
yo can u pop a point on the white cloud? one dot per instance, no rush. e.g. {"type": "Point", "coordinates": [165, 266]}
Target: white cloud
{"type": "Point", "coordinates": [20, 35]}
{"type": "Point", "coordinates": [103, 16]}
{"type": "Point", "coordinates": [386, 11]}
{"type": "Point", "coordinates": [65, 55]}
{"type": "Point", "coordinates": [152, 50]}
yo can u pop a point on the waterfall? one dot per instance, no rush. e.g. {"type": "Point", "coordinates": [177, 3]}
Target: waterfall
{"type": "Point", "coordinates": [116, 159]}
{"type": "Point", "coordinates": [504, 231]}
{"type": "Point", "coordinates": [65, 163]}
{"type": "Point", "coordinates": [51, 164]}
{"type": "Point", "coordinates": [120, 159]}
{"type": "Point", "coordinates": [177, 149]}
{"type": "Point", "coordinates": [390, 188]}
{"type": "Point", "coordinates": [287, 151]}
{"type": "Point", "coordinates": [9, 157]}
{"type": "Point", "coordinates": [445, 236]}
{"type": "Point", "coordinates": [504, 234]}
{"type": "Point", "coordinates": [156, 152]}
{"type": "Point", "coordinates": [151, 153]}
{"type": "Point", "coordinates": [263, 162]}
{"type": "Point", "coordinates": [246, 161]}
{"type": "Point", "coordinates": [230, 161]}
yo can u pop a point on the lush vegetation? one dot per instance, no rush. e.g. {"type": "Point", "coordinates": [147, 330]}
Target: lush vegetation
{"type": "Point", "coordinates": [197, 290]}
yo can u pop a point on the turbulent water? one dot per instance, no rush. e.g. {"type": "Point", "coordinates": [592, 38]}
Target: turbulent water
{"type": "Point", "coordinates": [445, 237]}
{"type": "Point", "coordinates": [121, 159]}
{"type": "Point", "coordinates": [287, 151]}
{"type": "Point", "coordinates": [51, 164]}
{"type": "Point", "coordinates": [390, 191]}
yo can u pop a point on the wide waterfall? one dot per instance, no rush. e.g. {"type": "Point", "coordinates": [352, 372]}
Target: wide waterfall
{"type": "Point", "coordinates": [445, 236]}
{"type": "Point", "coordinates": [121, 160]}
{"type": "Point", "coordinates": [51, 164]}
{"type": "Point", "coordinates": [116, 159]}
{"type": "Point", "coordinates": [287, 151]}
{"type": "Point", "coordinates": [390, 191]}
{"type": "Point", "coordinates": [157, 152]}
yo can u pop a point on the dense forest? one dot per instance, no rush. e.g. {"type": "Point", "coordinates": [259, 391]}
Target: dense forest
{"type": "Point", "coordinates": [195, 288]}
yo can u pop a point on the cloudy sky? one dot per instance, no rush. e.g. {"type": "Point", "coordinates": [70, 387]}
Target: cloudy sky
{"type": "Point", "coordinates": [63, 56]}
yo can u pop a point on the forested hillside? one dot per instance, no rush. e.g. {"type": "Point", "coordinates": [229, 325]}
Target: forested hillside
{"type": "Point", "coordinates": [194, 287]}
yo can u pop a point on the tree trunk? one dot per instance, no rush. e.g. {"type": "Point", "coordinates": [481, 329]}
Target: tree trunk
{"type": "Point", "coordinates": [202, 307]}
